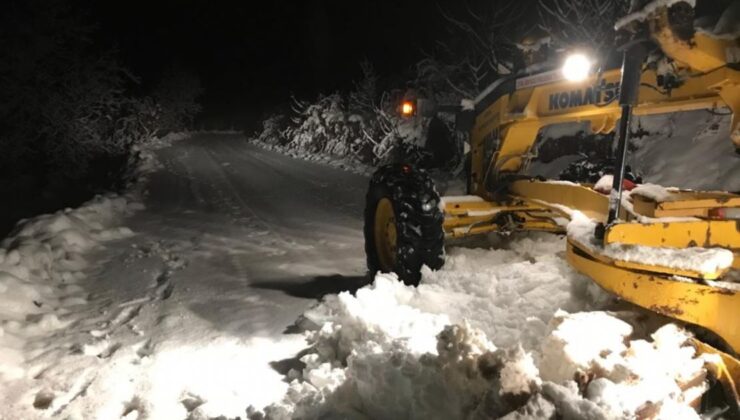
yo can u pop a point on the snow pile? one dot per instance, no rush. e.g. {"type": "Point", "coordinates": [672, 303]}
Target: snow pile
{"type": "Point", "coordinates": [478, 338]}
{"type": "Point", "coordinates": [40, 265]}
{"type": "Point", "coordinates": [604, 184]}
{"type": "Point", "coordinates": [622, 377]}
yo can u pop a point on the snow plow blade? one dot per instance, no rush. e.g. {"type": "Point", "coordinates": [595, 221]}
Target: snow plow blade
{"type": "Point", "coordinates": [713, 308]}
{"type": "Point", "coordinates": [710, 307]}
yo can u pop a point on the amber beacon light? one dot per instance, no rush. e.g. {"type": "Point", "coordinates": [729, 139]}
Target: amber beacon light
{"type": "Point", "coordinates": [407, 108]}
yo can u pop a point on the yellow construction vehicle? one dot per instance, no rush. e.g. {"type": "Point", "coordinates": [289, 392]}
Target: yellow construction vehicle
{"type": "Point", "coordinates": [406, 221]}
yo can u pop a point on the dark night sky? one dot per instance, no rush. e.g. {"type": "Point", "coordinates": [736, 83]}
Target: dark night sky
{"type": "Point", "coordinates": [252, 55]}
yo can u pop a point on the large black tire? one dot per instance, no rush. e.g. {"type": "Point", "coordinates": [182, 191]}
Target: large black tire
{"type": "Point", "coordinates": [417, 220]}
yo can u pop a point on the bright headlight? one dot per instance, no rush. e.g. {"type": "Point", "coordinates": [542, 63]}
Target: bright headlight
{"type": "Point", "coordinates": [576, 67]}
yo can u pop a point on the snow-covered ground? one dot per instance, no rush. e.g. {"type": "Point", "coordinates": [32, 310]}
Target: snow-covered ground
{"type": "Point", "coordinates": [197, 298]}
{"type": "Point", "coordinates": [190, 308]}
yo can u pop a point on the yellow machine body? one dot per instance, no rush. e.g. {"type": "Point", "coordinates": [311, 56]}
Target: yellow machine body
{"type": "Point", "coordinates": [502, 141]}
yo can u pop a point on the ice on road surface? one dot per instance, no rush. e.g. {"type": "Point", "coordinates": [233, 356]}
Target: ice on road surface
{"type": "Point", "coordinates": [190, 312]}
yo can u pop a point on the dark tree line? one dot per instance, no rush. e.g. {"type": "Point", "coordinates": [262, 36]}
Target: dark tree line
{"type": "Point", "coordinates": [67, 101]}
{"type": "Point", "coordinates": [70, 123]}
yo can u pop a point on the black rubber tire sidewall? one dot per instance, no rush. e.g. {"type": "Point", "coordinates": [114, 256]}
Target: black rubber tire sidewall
{"type": "Point", "coordinates": [420, 237]}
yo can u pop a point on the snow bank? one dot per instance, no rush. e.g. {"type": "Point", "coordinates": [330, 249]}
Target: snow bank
{"type": "Point", "coordinates": [344, 163]}
{"type": "Point", "coordinates": [478, 338]}
{"type": "Point", "coordinates": [40, 264]}
{"type": "Point", "coordinates": [622, 377]}
{"type": "Point", "coordinates": [168, 140]}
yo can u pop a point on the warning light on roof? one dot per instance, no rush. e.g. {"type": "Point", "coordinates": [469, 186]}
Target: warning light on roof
{"type": "Point", "coordinates": [407, 108]}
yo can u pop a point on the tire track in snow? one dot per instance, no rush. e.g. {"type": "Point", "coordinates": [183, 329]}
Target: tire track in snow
{"type": "Point", "coordinates": [247, 246]}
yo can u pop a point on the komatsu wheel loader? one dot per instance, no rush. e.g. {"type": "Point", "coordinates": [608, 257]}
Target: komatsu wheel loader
{"type": "Point", "coordinates": [668, 251]}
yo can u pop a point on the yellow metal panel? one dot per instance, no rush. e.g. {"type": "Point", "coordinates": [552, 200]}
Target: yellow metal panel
{"type": "Point", "coordinates": [591, 203]}
{"type": "Point", "coordinates": [699, 199]}
{"type": "Point", "coordinates": [464, 213]}
{"type": "Point", "coordinates": [566, 101]}
{"type": "Point", "coordinates": [462, 208]}
{"type": "Point", "coordinates": [715, 233]}
{"type": "Point", "coordinates": [542, 226]}
{"type": "Point", "coordinates": [456, 222]}
{"type": "Point", "coordinates": [516, 140]}
{"type": "Point", "coordinates": [474, 217]}
{"type": "Point", "coordinates": [706, 55]}
{"type": "Point", "coordinates": [684, 203]}
{"type": "Point", "coordinates": [463, 231]}
{"type": "Point", "coordinates": [702, 53]}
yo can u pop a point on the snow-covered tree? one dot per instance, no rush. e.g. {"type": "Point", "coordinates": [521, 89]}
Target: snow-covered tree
{"type": "Point", "coordinates": [177, 95]}
{"type": "Point", "coordinates": [585, 23]}
{"type": "Point", "coordinates": [363, 99]}
{"type": "Point", "coordinates": [478, 47]}
{"type": "Point", "coordinates": [66, 100]}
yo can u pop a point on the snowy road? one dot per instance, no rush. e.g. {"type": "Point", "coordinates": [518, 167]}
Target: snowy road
{"type": "Point", "coordinates": [235, 243]}
{"type": "Point", "coordinates": [201, 310]}
{"type": "Point", "coordinates": [252, 224]}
